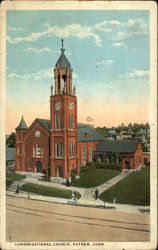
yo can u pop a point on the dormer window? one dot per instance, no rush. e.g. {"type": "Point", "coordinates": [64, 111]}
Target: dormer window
{"type": "Point", "coordinates": [86, 135]}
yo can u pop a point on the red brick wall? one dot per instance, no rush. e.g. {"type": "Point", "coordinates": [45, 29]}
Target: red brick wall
{"type": "Point", "coordinates": [64, 135]}
{"type": "Point", "coordinates": [146, 158]}
{"type": "Point", "coordinates": [28, 142]}
{"type": "Point", "coordinates": [87, 146]}
{"type": "Point", "coordinates": [135, 160]}
{"type": "Point", "coordinates": [19, 144]}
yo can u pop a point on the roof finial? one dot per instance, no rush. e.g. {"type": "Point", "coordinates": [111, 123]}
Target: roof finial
{"type": "Point", "coordinates": [62, 44]}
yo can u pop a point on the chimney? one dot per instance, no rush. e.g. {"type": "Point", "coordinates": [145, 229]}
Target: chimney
{"type": "Point", "coordinates": [86, 135]}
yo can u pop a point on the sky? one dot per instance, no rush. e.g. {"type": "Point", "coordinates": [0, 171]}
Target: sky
{"type": "Point", "coordinates": [108, 51]}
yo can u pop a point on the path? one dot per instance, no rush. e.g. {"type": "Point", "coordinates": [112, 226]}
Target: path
{"type": "Point", "coordinates": [87, 195]}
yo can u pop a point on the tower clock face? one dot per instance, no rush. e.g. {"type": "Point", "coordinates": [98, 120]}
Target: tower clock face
{"type": "Point", "coordinates": [71, 106]}
{"type": "Point", "coordinates": [57, 106]}
{"type": "Point", "coordinates": [37, 133]}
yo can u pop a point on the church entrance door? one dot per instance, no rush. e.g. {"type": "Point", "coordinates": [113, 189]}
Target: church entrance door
{"type": "Point", "coordinates": [59, 171]}
{"type": "Point", "coordinates": [127, 165]}
{"type": "Point", "coordinates": [38, 167]}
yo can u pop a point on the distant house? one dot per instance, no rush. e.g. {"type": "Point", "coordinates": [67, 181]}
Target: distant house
{"type": "Point", "coordinates": [128, 151]}
{"type": "Point", "coordinates": [123, 136]}
{"type": "Point", "coordinates": [10, 160]}
{"type": "Point", "coordinates": [146, 156]}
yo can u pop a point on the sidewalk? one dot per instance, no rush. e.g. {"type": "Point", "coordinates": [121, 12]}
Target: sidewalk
{"type": "Point", "coordinates": [93, 203]}
{"type": "Point", "coordinates": [87, 195]}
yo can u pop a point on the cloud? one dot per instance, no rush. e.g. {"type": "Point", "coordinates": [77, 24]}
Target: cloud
{"type": "Point", "coordinates": [119, 44]}
{"type": "Point", "coordinates": [132, 28]}
{"type": "Point", "coordinates": [45, 49]}
{"type": "Point", "coordinates": [104, 26]}
{"type": "Point", "coordinates": [71, 30]}
{"type": "Point", "coordinates": [75, 76]}
{"type": "Point", "coordinates": [14, 75]}
{"type": "Point", "coordinates": [41, 74]}
{"type": "Point", "coordinates": [119, 31]}
{"type": "Point", "coordinates": [136, 74]}
{"type": "Point", "coordinates": [106, 62]}
{"type": "Point", "coordinates": [14, 29]}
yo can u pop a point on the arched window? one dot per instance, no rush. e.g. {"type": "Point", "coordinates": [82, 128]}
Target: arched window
{"type": "Point", "coordinates": [56, 150]}
{"type": "Point", "coordinates": [42, 152]}
{"type": "Point", "coordinates": [61, 150]}
{"type": "Point", "coordinates": [19, 138]}
{"type": "Point", "coordinates": [34, 152]}
{"type": "Point", "coordinates": [37, 150]}
{"type": "Point", "coordinates": [62, 87]}
{"type": "Point", "coordinates": [70, 149]}
{"type": "Point", "coordinates": [73, 149]}
{"type": "Point", "coordinates": [19, 164]}
{"type": "Point", "coordinates": [91, 154]}
{"type": "Point", "coordinates": [72, 121]}
{"type": "Point", "coordinates": [56, 121]}
{"type": "Point", "coordinates": [69, 121]}
{"type": "Point", "coordinates": [60, 121]}
{"type": "Point", "coordinates": [29, 165]}
{"type": "Point", "coordinates": [84, 154]}
{"type": "Point", "coordinates": [19, 151]}
{"type": "Point", "coordinates": [64, 81]}
{"type": "Point", "coordinates": [58, 83]}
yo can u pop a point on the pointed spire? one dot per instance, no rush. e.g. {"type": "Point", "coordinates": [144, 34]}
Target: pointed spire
{"type": "Point", "coordinates": [62, 61]}
{"type": "Point", "coordinates": [62, 45]}
{"type": "Point", "coordinates": [51, 89]}
{"type": "Point", "coordinates": [74, 90]}
{"type": "Point", "coordinates": [22, 124]}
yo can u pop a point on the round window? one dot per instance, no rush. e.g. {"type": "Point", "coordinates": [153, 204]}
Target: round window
{"type": "Point", "coordinates": [37, 133]}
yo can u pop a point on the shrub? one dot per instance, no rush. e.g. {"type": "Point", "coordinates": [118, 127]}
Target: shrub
{"type": "Point", "coordinates": [73, 173]}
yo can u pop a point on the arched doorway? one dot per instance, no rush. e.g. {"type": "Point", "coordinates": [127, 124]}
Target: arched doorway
{"type": "Point", "coordinates": [38, 167]}
{"type": "Point", "coordinates": [127, 164]}
{"type": "Point", "coordinates": [59, 171]}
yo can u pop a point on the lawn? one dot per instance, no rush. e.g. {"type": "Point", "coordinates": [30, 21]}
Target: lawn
{"type": "Point", "coordinates": [134, 189]}
{"type": "Point", "coordinates": [10, 178]}
{"type": "Point", "coordinates": [48, 191]}
{"type": "Point", "coordinates": [94, 177]}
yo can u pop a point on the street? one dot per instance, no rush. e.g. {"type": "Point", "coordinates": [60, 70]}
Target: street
{"type": "Point", "coordinates": [30, 220]}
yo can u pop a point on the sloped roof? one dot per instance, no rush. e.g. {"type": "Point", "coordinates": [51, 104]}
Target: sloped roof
{"type": "Point", "coordinates": [93, 135]}
{"type": "Point", "coordinates": [10, 154]}
{"type": "Point", "coordinates": [62, 61]}
{"type": "Point", "coordinates": [22, 124]}
{"type": "Point", "coordinates": [82, 128]}
{"type": "Point", "coordinates": [117, 146]}
{"type": "Point", "coordinates": [45, 123]}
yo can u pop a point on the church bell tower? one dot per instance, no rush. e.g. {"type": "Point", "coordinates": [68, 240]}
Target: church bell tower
{"type": "Point", "coordinates": [63, 115]}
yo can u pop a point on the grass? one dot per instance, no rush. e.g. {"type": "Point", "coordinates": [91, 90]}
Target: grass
{"type": "Point", "coordinates": [134, 189]}
{"type": "Point", "coordinates": [10, 178]}
{"type": "Point", "coordinates": [48, 191]}
{"type": "Point", "coordinates": [94, 177]}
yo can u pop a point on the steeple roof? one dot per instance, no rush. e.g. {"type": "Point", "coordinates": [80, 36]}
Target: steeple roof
{"type": "Point", "coordinates": [22, 124]}
{"type": "Point", "coordinates": [62, 61]}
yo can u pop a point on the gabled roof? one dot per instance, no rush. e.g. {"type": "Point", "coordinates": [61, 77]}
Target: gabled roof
{"type": "Point", "coordinates": [82, 128]}
{"type": "Point", "coordinates": [93, 135]}
{"type": "Point", "coordinates": [117, 146]}
{"type": "Point", "coordinates": [45, 123]}
{"type": "Point", "coordinates": [22, 124]}
{"type": "Point", "coordinates": [10, 154]}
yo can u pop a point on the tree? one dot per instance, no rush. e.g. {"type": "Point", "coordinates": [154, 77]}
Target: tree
{"type": "Point", "coordinates": [10, 142]}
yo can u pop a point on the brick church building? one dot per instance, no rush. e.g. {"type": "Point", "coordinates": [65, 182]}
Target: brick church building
{"type": "Point", "coordinates": [61, 143]}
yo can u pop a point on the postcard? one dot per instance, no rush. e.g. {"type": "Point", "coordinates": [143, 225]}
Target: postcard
{"type": "Point", "coordinates": [78, 125]}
